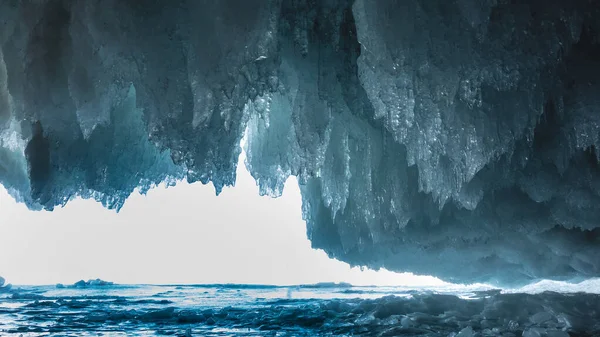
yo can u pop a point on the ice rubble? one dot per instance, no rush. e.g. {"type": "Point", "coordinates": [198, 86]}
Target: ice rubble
{"type": "Point", "coordinates": [91, 283]}
{"type": "Point", "coordinates": [4, 287]}
{"type": "Point", "coordinates": [484, 314]}
{"type": "Point", "coordinates": [455, 138]}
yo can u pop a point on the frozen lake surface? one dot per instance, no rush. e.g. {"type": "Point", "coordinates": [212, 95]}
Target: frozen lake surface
{"type": "Point", "coordinates": [317, 310]}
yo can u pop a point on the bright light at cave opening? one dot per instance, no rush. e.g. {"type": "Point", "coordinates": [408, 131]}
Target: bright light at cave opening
{"type": "Point", "coordinates": [175, 235]}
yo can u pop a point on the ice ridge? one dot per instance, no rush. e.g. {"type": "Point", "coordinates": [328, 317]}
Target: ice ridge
{"type": "Point", "coordinates": [455, 138]}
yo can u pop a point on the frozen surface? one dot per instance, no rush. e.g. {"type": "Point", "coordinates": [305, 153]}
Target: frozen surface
{"type": "Point", "coordinates": [87, 284]}
{"type": "Point", "coordinates": [4, 287]}
{"type": "Point", "coordinates": [257, 310]}
{"type": "Point", "coordinates": [457, 138]}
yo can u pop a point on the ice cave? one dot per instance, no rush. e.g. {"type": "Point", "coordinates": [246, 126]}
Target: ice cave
{"type": "Point", "coordinates": [454, 138]}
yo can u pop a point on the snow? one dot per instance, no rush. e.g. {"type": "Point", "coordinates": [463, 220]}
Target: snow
{"type": "Point", "coordinates": [457, 139]}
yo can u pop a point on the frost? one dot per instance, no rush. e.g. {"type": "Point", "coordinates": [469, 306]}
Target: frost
{"type": "Point", "coordinates": [453, 138]}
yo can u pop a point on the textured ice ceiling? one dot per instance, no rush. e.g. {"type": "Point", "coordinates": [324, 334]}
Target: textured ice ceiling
{"type": "Point", "coordinates": [459, 138]}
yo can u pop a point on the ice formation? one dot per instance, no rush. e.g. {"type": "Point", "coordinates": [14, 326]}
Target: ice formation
{"type": "Point", "coordinates": [87, 284]}
{"type": "Point", "coordinates": [4, 287]}
{"type": "Point", "coordinates": [456, 138]}
{"type": "Point", "coordinates": [212, 310]}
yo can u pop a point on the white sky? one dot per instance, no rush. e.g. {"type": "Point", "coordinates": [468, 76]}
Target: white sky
{"type": "Point", "coordinates": [184, 234]}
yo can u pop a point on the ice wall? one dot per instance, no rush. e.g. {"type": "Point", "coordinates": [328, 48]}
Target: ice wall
{"type": "Point", "coordinates": [456, 138]}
